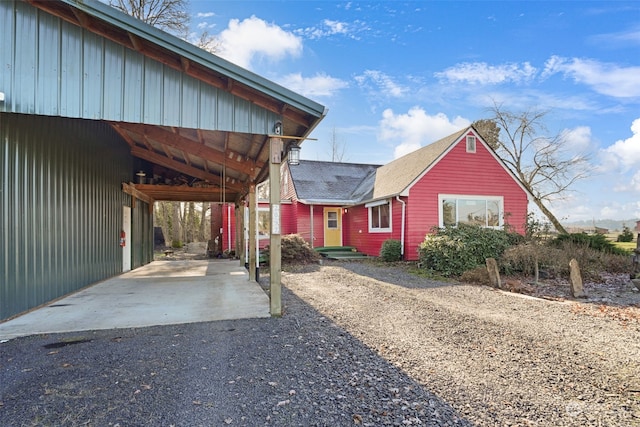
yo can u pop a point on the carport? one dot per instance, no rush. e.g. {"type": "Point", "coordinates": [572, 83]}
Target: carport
{"type": "Point", "coordinates": [160, 293]}
{"type": "Point", "coordinates": [185, 125]}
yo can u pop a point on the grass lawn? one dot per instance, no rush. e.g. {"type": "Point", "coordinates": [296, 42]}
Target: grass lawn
{"type": "Point", "coordinates": [630, 246]}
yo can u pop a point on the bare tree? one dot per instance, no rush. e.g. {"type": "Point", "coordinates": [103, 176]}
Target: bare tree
{"type": "Point", "coordinates": [545, 165]}
{"type": "Point", "coordinates": [337, 148]}
{"type": "Point", "coordinates": [207, 42]}
{"type": "Point", "coordinates": [168, 15]}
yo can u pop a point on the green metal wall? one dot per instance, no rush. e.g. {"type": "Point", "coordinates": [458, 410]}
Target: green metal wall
{"type": "Point", "coordinates": [61, 208]}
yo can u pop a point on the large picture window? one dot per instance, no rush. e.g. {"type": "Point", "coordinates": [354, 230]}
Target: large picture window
{"type": "Point", "coordinates": [379, 216]}
{"type": "Point", "coordinates": [473, 210]}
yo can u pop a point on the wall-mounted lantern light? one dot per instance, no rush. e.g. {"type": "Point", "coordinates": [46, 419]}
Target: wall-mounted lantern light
{"type": "Point", "coordinates": [294, 155]}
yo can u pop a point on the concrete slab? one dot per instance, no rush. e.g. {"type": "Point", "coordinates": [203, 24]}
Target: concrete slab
{"type": "Point", "coordinates": [160, 293]}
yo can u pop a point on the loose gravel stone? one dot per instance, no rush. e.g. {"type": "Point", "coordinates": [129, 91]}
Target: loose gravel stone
{"type": "Point", "coordinates": [497, 358]}
{"type": "Point", "coordinates": [358, 344]}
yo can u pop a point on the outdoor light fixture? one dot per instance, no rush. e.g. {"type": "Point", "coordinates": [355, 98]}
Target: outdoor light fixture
{"type": "Point", "coordinates": [141, 176]}
{"type": "Point", "coordinates": [277, 128]}
{"type": "Point", "coordinates": [294, 155]}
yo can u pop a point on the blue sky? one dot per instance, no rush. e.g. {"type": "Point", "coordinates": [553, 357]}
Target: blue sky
{"type": "Point", "coordinates": [398, 75]}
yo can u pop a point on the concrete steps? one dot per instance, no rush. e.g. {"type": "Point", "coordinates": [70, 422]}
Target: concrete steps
{"type": "Point", "coordinates": [340, 253]}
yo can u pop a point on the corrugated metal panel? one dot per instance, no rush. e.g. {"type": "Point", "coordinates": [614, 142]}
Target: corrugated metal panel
{"type": "Point", "coordinates": [61, 208]}
{"type": "Point", "coordinates": [71, 72]}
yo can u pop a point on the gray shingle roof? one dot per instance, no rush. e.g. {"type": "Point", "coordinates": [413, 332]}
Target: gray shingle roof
{"type": "Point", "coordinates": [332, 182]}
{"type": "Point", "coordinates": [352, 183]}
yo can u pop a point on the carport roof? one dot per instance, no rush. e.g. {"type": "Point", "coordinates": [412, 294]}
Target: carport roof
{"type": "Point", "coordinates": [220, 159]}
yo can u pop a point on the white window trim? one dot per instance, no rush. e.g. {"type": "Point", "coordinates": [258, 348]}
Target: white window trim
{"type": "Point", "coordinates": [380, 203]}
{"type": "Point", "coordinates": [262, 236]}
{"type": "Point", "coordinates": [500, 200]}
{"type": "Point", "coordinates": [377, 203]}
{"type": "Point", "coordinates": [475, 142]}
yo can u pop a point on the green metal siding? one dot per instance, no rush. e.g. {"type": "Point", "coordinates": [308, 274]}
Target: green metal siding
{"type": "Point", "coordinates": [61, 208]}
{"type": "Point", "coordinates": [52, 67]}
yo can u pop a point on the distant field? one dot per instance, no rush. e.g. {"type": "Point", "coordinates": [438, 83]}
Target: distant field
{"type": "Point", "coordinates": [625, 245]}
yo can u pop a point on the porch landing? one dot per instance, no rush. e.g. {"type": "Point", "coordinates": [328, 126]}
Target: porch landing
{"type": "Point", "coordinates": [340, 253]}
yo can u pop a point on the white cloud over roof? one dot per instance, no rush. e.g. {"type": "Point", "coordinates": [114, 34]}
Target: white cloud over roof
{"type": "Point", "coordinates": [416, 128]}
{"type": "Point", "coordinates": [317, 86]}
{"type": "Point", "coordinates": [253, 38]}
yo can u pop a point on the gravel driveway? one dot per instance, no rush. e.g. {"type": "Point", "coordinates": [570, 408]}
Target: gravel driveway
{"type": "Point", "coordinates": [357, 345]}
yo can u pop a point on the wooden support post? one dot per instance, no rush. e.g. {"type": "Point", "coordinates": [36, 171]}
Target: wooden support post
{"type": "Point", "coordinates": [275, 239]}
{"type": "Point", "coordinates": [253, 208]}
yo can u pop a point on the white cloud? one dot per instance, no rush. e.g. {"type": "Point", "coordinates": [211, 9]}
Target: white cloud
{"type": "Point", "coordinates": [485, 74]}
{"type": "Point", "coordinates": [578, 139]}
{"type": "Point", "coordinates": [635, 184]}
{"type": "Point", "coordinates": [330, 28]}
{"type": "Point", "coordinates": [381, 82]}
{"type": "Point", "coordinates": [617, 210]}
{"type": "Point", "coordinates": [205, 14]}
{"type": "Point", "coordinates": [318, 85]}
{"type": "Point", "coordinates": [624, 38]}
{"type": "Point", "coordinates": [625, 153]}
{"type": "Point", "coordinates": [605, 78]}
{"type": "Point", "coordinates": [416, 128]}
{"type": "Point", "coordinates": [244, 41]}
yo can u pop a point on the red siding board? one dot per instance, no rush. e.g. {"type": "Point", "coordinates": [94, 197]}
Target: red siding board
{"type": "Point", "coordinates": [465, 173]}
{"type": "Point", "coordinates": [458, 172]}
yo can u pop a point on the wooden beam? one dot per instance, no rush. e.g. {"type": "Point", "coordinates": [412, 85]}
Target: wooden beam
{"type": "Point", "coordinates": [161, 160]}
{"type": "Point", "coordinates": [135, 42]}
{"type": "Point", "coordinates": [245, 165]}
{"type": "Point", "coordinates": [184, 192]}
{"type": "Point", "coordinates": [131, 190]}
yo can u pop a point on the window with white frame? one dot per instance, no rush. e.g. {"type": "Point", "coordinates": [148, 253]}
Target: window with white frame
{"type": "Point", "coordinates": [264, 223]}
{"type": "Point", "coordinates": [471, 144]}
{"type": "Point", "coordinates": [379, 216]}
{"type": "Point", "coordinates": [485, 211]}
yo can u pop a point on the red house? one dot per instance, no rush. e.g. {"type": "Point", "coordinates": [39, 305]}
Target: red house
{"type": "Point", "coordinates": [458, 179]}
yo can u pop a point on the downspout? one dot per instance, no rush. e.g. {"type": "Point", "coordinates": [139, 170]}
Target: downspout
{"type": "Point", "coordinates": [404, 205]}
{"type": "Point", "coordinates": [311, 224]}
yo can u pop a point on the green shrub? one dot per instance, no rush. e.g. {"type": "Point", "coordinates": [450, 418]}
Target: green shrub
{"type": "Point", "coordinates": [626, 235]}
{"type": "Point", "coordinates": [597, 242]}
{"type": "Point", "coordinates": [391, 250]}
{"type": "Point", "coordinates": [453, 250]}
{"type": "Point", "coordinates": [177, 244]}
{"type": "Point", "coordinates": [295, 250]}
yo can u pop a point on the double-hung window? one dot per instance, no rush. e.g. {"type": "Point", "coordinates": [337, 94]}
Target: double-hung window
{"type": "Point", "coordinates": [485, 211]}
{"type": "Point", "coordinates": [379, 216]}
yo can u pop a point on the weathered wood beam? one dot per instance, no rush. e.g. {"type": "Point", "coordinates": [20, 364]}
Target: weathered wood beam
{"type": "Point", "coordinates": [182, 143]}
{"type": "Point", "coordinates": [134, 192]}
{"type": "Point", "coordinates": [161, 160]}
